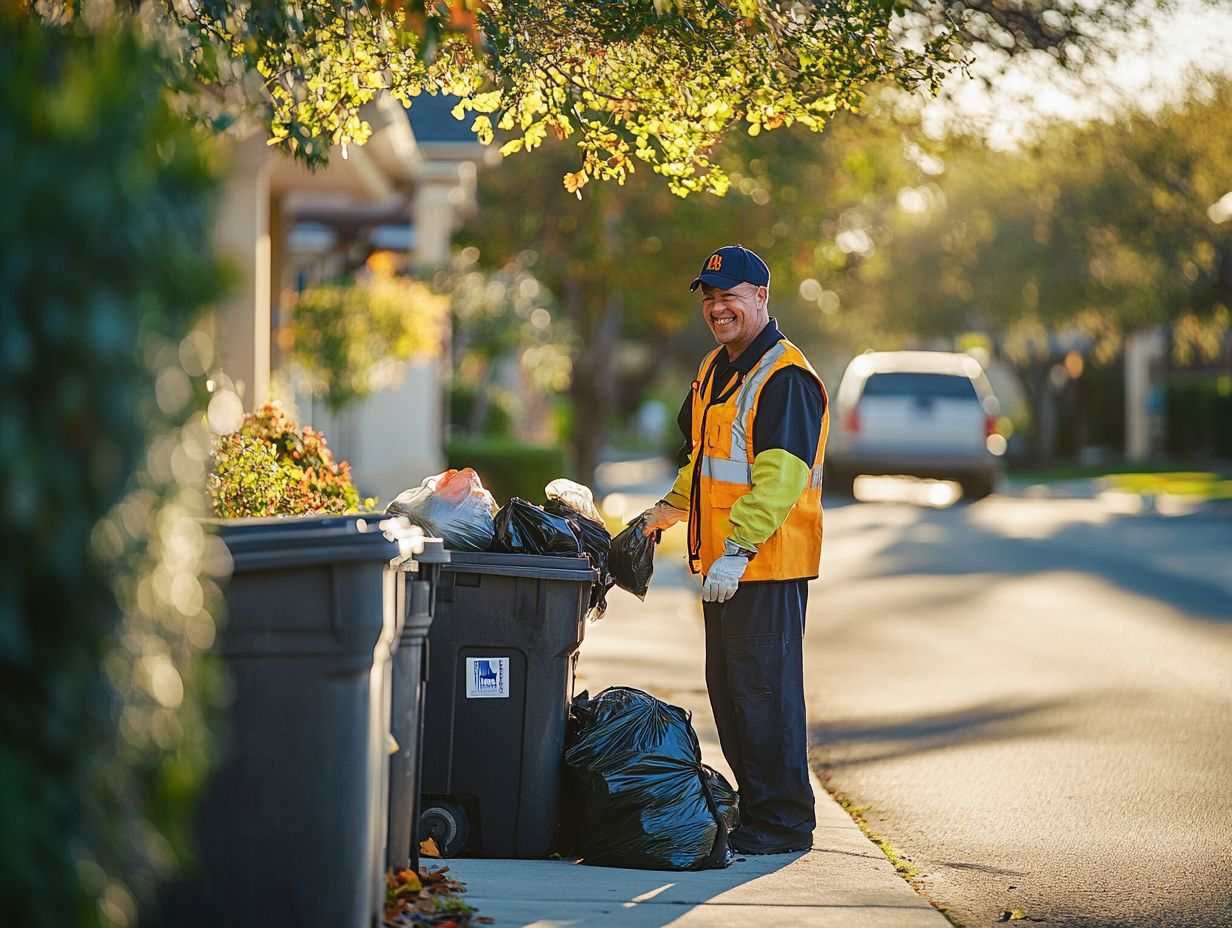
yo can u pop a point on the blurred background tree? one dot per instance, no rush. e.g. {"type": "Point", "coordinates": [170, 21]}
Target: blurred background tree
{"type": "Point", "coordinates": [1067, 245]}
{"type": "Point", "coordinates": [351, 337]}
{"type": "Point", "coordinates": [105, 601]}
{"type": "Point", "coordinates": [885, 232]}
{"type": "Point", "coordinates": [512, 358]}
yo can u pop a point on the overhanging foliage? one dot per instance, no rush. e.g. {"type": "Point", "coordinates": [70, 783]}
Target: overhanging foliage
{"type": "Point", "coordinates": [656, 82]}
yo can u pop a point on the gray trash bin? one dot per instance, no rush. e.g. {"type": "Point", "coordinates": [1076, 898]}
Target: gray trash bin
{"type": "Point", "coordinates": [416, 601]}
{"type": "Point", "coordinates": [502, 650]}
{"type": "Point", "coordinates": [290, 830]}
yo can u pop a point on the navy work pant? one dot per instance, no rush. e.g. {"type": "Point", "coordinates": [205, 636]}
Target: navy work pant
{"type": "Point", "coordinates": [755, 677]}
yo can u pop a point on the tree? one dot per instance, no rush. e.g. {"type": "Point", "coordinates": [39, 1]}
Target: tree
{"type": "Point", "coordinates": [619, 265]}
{"type": "Point", "coordinates": [510, 352]}
{"type": "Point", "coordinates": [1094, 232]}
{"type": "Point", "coordinates": [350, 338]}
{"type": "Point", "coordinates": [656, 82]}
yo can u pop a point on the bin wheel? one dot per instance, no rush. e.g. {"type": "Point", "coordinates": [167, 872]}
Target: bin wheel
{"type": "Point", "coordinates": [446, 824]}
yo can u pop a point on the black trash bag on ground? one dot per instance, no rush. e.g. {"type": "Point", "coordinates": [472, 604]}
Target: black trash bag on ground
{"type": "Point", "coordinates": [524, 528]}
{"type": "Point", "coordinates": [632, 560]}
{"type": "Point", "coordinates": [453, 506]}
{"type": "Point", "coordinates": [639, 794]}
{"type": "Point", "coordinates": [597, 544]}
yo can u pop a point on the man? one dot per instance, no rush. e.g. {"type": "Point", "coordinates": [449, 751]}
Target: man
{"type": "Point", "coordinates": [755, 426]}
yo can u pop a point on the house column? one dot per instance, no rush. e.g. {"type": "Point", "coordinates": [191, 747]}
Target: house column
{"type": "Point", "coordinates": [438, 194]}
{"type": "Point", "coordinates": [1141, 350]}
{"type": "Point", "coordinates": [242, 238]}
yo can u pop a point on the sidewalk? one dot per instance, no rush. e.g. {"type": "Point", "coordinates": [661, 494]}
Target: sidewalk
{"type": "Point", "coordinates": [843, 881]}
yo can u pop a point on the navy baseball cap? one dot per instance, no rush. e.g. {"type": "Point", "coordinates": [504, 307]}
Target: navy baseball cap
{"type": "Point", "coordinates": [730, 266]}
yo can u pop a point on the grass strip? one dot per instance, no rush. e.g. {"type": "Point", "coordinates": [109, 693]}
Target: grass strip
{"type": "Point", "coordinates": [902, 866]}
{"type": "Point", "coordinates": [1201, 484]}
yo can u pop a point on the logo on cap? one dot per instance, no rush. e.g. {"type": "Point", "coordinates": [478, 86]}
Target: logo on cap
{"type": "Point", "coordinates": [731, 265]}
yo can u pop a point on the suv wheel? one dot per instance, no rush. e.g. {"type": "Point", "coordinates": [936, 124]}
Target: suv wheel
{"type": "Point", "coordinates": [838, 481]}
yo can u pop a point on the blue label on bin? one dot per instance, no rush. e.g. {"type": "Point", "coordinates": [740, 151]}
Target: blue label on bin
{"type": "Point", "coordinates": [487, 678]}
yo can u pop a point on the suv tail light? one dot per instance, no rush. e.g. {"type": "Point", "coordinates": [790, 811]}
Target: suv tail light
{"type": "Point", "coordinates": [852, 423]}
{"type": "Point", "coordinates": [990, 426]}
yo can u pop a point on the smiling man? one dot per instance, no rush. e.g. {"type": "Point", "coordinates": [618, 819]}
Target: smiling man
{"type": "Point", "coordinates": [755, 426]}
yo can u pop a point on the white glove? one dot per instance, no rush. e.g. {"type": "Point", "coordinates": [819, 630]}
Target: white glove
{"type": "Point", "coordinates": [725, 573]}
{"type": "Point", "coordinates": [660, 516]}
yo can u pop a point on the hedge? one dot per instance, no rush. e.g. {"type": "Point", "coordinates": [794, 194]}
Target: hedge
{"type": "Point", "coordinates": [105, 603]}
{"type": "Point", "coordinates": [1199, 417]}
{"type": "Point", "coordinates": [509, 468]}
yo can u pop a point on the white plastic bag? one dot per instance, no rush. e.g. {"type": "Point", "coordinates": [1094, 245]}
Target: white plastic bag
{"type": "Point", "coordinates": [575, 496]}
{"type": "Point", "coordinates": [453, 506]}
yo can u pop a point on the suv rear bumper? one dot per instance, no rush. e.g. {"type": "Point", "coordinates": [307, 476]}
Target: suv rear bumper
{"type": "Point", "coordinates": [943, 467]}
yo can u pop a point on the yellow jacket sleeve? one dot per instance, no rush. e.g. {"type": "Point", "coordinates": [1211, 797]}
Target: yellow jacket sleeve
{"type": "Point", "coordinates": [779, 477]}
{"type": "Point", "coordinates": [679, 494]}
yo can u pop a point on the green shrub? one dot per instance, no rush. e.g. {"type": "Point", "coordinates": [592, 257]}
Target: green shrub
{"type": "Point", "coordinates": [1198, 413]}
{"type": "Point", "coordinates": [509, 469]}
{"type": "Point", "coordinates": [105, 606]}
{"type": "Point", "coordinates": [497, 421]}
{"type": "Point", "coordinates": [271, 466]}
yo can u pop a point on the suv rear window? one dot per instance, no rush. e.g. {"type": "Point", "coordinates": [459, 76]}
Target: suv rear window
{"type": "Point", "coordinates": [916, 384]}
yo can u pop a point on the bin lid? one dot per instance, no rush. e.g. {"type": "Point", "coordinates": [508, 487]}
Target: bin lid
{"type": "Point", "coordinates": [540, 566]}
{"type": "Point", "coordinates": [292, 541]}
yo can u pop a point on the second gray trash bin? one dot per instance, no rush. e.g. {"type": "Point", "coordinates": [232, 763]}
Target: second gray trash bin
{"type": "Point", "coordinates": [502, 649]}
{"type": "Point", "coordinates": [416, 603]}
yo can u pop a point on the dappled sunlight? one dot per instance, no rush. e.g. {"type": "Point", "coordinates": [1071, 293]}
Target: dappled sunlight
{"type": "Point", "coordinates": [1040, 521]}
{"type": "Point", "coordinates": [646, 897]}
{"type": "Point", "coordinates": [633, 472]}
{"type": "Point", "coordinates": [624, 507]}
{"type": "Point", "coordinates": [1173, 559]}
{"type": "Point", "coordinates": [881, 737]}
{"type": "Point", "coordinates": [937, 494]}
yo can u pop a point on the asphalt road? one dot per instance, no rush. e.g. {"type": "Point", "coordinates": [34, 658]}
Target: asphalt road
{"type": "Point", "coordinates": [1034, 699]}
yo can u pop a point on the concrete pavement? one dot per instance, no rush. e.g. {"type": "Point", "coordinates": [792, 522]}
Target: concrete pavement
{"type": "Point", "coordinates": [843, 881]}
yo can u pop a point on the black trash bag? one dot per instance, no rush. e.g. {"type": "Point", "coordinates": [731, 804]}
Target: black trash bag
{"type": "Point", "coordinates": [597, 544]}
{"type": "Point", "coordinates": [524, 528]}
{"type": "Point", "coordinates": [632, 560]}
{"type": "Point", "coordinates": [453, 506]}
{"type": "Point", "coordinates": [639, 794]}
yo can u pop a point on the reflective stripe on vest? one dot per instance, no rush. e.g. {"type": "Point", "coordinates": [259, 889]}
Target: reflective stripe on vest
{"type": "Point", "coordinates": [738, 468]}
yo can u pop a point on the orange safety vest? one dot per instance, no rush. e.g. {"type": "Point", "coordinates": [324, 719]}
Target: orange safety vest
{"type": "Point", "coordinates": [723, 472]}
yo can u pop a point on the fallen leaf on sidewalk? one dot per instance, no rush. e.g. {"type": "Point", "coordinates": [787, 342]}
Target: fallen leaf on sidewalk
{"type": "Point", "coordinates": [427, 899]}
{"type": "Point", "coordinates": [1012, 915]}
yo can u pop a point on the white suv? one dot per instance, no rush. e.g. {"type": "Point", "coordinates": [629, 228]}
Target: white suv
{"type": "Point", "coordinates": [917, 414]}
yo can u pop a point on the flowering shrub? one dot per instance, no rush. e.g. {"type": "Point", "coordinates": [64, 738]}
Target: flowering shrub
{"type": "Point", "coordinates": [272, 466]}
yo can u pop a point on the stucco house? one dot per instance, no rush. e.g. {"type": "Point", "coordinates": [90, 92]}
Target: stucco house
{"type": "Point", "coordinates": [282, 226]}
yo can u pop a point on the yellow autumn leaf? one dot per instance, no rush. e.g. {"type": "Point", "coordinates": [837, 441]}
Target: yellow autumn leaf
{"type": "Point", "coordinates": [576, 181]}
